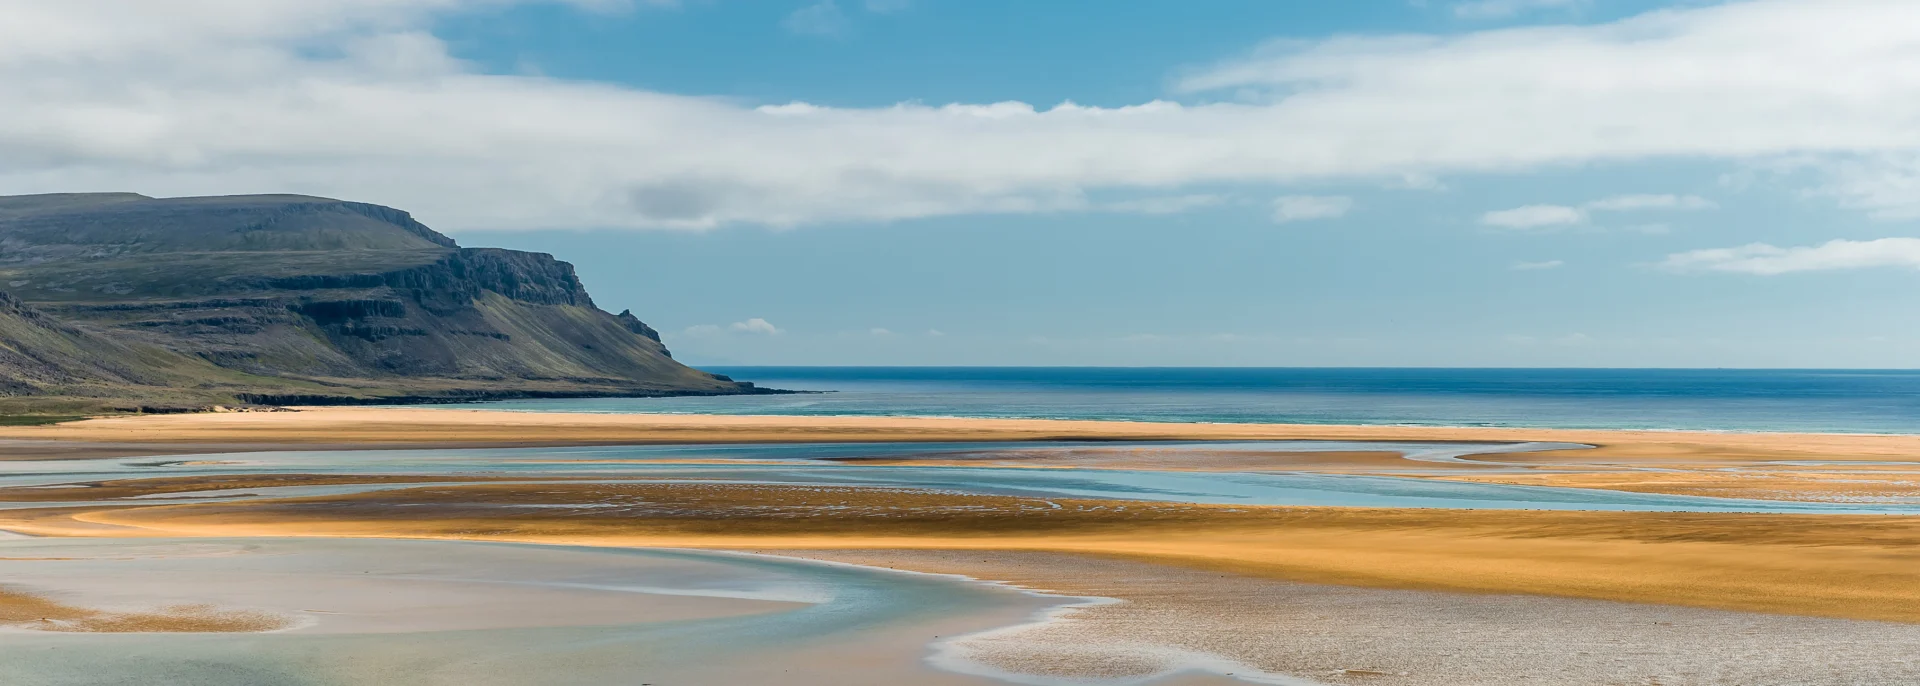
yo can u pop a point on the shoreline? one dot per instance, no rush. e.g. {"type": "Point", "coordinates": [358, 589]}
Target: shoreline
{"type": "Point", "coordinates": [352, 428]}
{"type": "Point", "coordinates": [965, 417]}
{"type": "Point", "coordinates": [1819, 565]}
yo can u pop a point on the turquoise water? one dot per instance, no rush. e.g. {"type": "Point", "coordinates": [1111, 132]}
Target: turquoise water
{"type": "Point", "coordinates": [1844, 401]}
{"type": "Point", "coordinates": [843, 612]}
{"type": "Point", "coordinates": [822, 464]}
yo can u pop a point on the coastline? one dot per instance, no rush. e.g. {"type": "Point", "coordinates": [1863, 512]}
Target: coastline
{"type": "Point", "coordinates": [332, 427]}
{"type": "Point", "coordinates": [1783, 590]}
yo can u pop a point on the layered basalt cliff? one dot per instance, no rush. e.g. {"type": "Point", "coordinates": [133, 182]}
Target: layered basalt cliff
{"type": "Point", "coordinates": [294, 298]}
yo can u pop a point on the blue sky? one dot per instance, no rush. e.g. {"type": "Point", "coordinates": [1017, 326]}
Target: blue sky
{"type": "Point", "coordinates": [1240, 182]}
{"type": "Point", "coordinates": [937, 51]}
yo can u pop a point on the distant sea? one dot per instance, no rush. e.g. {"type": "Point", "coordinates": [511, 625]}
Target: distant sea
{"type": "Point", "coordinates": [1840, 401]}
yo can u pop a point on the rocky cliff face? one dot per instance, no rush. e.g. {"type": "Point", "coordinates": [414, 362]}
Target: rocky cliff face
{"type": "Point", "coordinates": [318, 300]}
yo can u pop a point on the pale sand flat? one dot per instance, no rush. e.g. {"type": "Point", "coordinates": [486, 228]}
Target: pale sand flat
{"type": "Point", "coordinates": [1706, 458]}
{"type": "Point", "coordinates": [1853, 566]}
{"type": "Point", "coordinates": [366, 586]}
{"type": "Point", "coordinates": [419, 427]}
{"type": "Point", "coordinates": [385, 612]}
{"type": "Point", "coordinates": [1338, 634]}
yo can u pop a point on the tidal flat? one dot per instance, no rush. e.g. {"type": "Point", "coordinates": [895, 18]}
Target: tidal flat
{"type": "Point", "coordinates": [348, 611]}
{"type": "Point", "coordinates": [1164, 554]}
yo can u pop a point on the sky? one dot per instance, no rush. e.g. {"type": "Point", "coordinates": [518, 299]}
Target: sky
{"type": "Point", "coordinates": [1087, 182]}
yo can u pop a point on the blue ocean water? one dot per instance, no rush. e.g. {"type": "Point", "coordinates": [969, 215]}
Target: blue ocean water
{"type": "Point", "coordinates": [1842, 401]}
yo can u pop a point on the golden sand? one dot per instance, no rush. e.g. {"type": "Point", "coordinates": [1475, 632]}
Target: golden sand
{"type": "Point", "coordinates": [133, 488]}
{"type": "Point", "coordinates": [429, 427]}
{"type": "Point", "coordinates": [1717, 464]}
{"type": "Point", "coordinates": [29, 611]}
{"type": "Point", "coordinates": [1864, 567]}
{"type": "Point", "coordinates": [1761, 483]}
{"type": "Point", "coordinates": [1836, 566]}
{"type": "Point", "coordinates": [1195, 460]}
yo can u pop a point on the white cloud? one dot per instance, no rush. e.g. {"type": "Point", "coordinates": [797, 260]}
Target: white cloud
{"type": "Point", "coordinates": [936, 333]}
{"type": "Point", "coordinates": [1294, 208]}
{"type": "Point", "coordinates": [755, 325]}
{"type": "Point", "coordinates": [878, 331]}
{"type": "Point", "coordinates": [1886, 186]}
{"type": "Point", "coordinates": [1417, 182]}
{"type": "Point", "coordinates": [1501, 9]}
{"type": "Point", "coordinates": [822, 18]}
{"type": "Point", "coordinates": [1534, 217]}
{"type": "Point", "coordinates": [1536, 266]}
{"type": "Point", "coordinates": [355, 98]}
{"type": "Point", "coordinates": [1768, 260]}
{"type": "Point", "coordinates": [1164, 204]}
{"type": "Point", "coordinates": [1544, 216]}
{"type": "Point", "coordinates": [1627, 203]}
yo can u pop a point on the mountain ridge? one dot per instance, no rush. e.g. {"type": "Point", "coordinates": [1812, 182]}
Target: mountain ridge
{"type": "Point", "coordinates": [274, 298]}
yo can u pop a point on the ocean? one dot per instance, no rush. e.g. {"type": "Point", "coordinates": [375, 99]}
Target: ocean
{"type": "Point", "coordinates": [1838, 401]}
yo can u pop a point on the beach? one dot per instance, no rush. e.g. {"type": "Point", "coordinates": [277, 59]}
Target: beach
{"type": "Point", "coordinates": [1770, 465]}
{"type": "Point", "coordinates": [1197, 590]}
{"type": "Point", "coordinates": [415, 427]}
{"type": "Point", "coordinates": [1173, 618]}
{"type": "Point", "coordinates": [394, 611]}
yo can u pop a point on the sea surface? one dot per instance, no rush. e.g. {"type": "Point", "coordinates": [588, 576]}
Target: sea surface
{"type": "Point", "coordinates": [1835, 401]}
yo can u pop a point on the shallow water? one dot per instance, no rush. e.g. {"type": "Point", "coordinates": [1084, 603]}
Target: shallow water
{"type": "Point", "coordinates": [487, 613]}
{"type": "Point", "coordinates": [815, 464]}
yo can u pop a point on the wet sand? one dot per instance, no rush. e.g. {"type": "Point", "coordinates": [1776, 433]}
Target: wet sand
{"type": "Point", "coordinates": [111, 489]}
{"type": "Point", "coordinates": [1193, 459]}
{"type": "Point", "coordinates": [29, 611]}
{"type": "Point", "coordinates": [1738, 465]}
{"type": "Point", "coordinates": [418, 427]}
{"type": "Point", "coordinates": [388, 612]}
{"type": "Point", "coordinates": [333, 588]}
{"type": "Point", "coordinates": [1827, 484]}
{"type": "Point", "coordinates": [1723, 476]}
{"type": "Point", "coordinates": [1172, 618]}
{"type": "Point", "coordinates": [1337, 595]}
{"type": "Point", "coordinates": [1861, 567]}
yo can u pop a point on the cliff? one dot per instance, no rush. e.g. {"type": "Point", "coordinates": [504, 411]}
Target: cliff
{"type": "Point", "coordinates": [124, 299]}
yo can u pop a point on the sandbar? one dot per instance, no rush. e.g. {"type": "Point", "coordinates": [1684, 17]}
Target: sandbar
{"type": "Point", "coordinates": [1782, 466]}
{"type": "Point", "coordinates": [423, 427]}
{"type": "Point", "coordinates": [1845, 566]}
